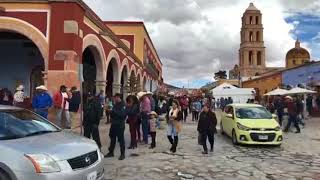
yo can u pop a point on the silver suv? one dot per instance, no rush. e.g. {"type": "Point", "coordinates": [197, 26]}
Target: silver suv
{"type": "Point", "coordinates": [32, 148]}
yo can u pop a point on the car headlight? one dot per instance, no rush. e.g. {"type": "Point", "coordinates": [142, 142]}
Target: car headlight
{"type": "Point", "coordinates": [43, 163]}
{"type": "Point", "coordinates": [242, 127]}
{"type": "Point", "coordinates": [278, 128]}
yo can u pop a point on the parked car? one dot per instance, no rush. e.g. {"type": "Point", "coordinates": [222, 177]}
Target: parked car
{"type": "Point", "coordinates": [32, 148]}
{"type": "Point", "coordinates": [250, 124]}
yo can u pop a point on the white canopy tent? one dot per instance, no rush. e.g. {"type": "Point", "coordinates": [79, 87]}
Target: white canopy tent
{"type": "Point", "coordinates": [238, 95]}
{"type": "Point", "coordinates": [298, 90]}
{"type": "Point", "coordinates": [276, 92]}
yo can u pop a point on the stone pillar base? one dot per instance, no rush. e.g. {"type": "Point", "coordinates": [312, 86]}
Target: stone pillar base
{"type": "Point", "coordinates": [116, 88]}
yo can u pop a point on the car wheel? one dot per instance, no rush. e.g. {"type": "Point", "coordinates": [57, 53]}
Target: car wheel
{"type": "Point", "coordinates": [221, 129]}
{"type": "Point", "coordinates": [4, 175]}
{"type": "Point", "coordinates": [234, 138]}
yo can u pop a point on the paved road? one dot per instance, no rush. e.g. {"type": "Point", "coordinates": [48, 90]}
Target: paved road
{"type": "Point", "coordinates": [298, 158]}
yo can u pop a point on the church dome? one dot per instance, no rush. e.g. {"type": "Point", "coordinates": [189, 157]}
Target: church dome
{"type": "Point", "coordinates": [298, 52]}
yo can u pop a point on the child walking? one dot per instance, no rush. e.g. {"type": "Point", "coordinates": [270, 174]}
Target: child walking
{"type": "Point", "coordinates": [153, 123]}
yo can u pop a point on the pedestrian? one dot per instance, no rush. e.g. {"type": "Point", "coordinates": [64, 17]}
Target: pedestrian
{"type": "Point", "coordinates": [6, 97]}
{"type": "Point", "coordinates": [279, 107]}
{"type": "Point", "coordinates": [318, 102]}
{"type": "Point", "coordinates": [213, 104]}
{"type": "Point", "coordinates": [153, 130]}
{"type": "Point", "coordinates": [74, 105]}
{"type": "Point", "coordinates": [184, 106]}
{"type": "Point", "coordinates": [91, 119]}
{"type": "Point", "coordinates": [118, 117]}
{"type": "Point", "coordinates": [108, 109]}
{"type": "Point", "coordinates": [132, 111]}
{"type": "Point", "coordinates": [300, 111]}
{"type": "Point", "coordinates": [292, 111]}
{"type": "Point", "coordinates": [197, 106]}
{"type": "Point", "coordinates": [207, 128]}
{"type": "Point", "coordinates": [102, 100]}
{"type": "Point", "coordinates": [42, 101]}
{"type": "Point", "coordinates": [309, 104]}
{"type": "Point", "coordinates": [174, 125]}
{"type": "Point", "coordinates": [218, 103]}
{"type": "Point", "coordinates": [18, 97]}
{"type": "Point", "coordinates": [145, 109]}
{"type": "Point", "coordinates": [61, 103]}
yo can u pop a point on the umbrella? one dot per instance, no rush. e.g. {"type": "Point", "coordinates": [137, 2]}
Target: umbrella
{"type": "Point", "coordinates": [276, 92]}
{"type": "Point", "coordinates": [298, 90]}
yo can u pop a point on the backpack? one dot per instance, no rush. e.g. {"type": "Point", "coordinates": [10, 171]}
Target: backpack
{"type": "Point", "coordinates": [180, 116]}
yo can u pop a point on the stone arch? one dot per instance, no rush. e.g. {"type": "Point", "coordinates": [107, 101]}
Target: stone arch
{"type": "Point", "coordinates": [114, 59]}
{"type": "Point", "coordinates": [133, 70]}
{"type": "Point", "coordinates": [31, 32]}
{"type": "Point", "coordinates": [93, 42]}
{"type": "Point", "coordinates": [125, 64]}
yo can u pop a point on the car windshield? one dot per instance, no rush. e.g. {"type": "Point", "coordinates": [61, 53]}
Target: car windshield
{"type": "Point", "coordinates": [253, 113]}
{"type": "Point", "coordinates": [16, 124]}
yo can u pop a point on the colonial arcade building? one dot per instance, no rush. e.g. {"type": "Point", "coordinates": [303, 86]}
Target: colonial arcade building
{"type": "Point", "coordinates": [55, 42]}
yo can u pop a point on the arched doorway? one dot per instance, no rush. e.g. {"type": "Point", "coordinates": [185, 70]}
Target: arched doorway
{"type": "Point", "coordinates": [89, 71]}
{"type": "Point", "coordinates": [138, 84]}
{"type": "Point", "coordinates": [132, 83]}
{"type": "Point", "coordinates": [112, 75]}
{"type": "Point", "coordinates": [124, 82]}
{"type": "Point", "coordinates": [22, 63]}
{"type": "Point", "coordinates": [144, 83]}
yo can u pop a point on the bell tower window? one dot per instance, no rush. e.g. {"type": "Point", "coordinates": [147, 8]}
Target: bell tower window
{"type": "Point", "coordinates": [250, 36]}
{"type": "Point", "coordinates": [257, 19]}
{"type": "Point", "coordinates": [259, 61]}
{"type": "Point", "coordinates": [250, 58]}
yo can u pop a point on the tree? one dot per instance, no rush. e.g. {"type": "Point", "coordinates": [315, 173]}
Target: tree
{"type": "Point", "coordinates": [220, 75]}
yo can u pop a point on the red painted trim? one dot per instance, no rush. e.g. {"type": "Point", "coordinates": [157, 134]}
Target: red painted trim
{"type": "Point", "coordinates": [37, 19]}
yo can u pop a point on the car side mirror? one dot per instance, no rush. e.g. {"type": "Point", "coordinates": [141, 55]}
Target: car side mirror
{"type": "Point", "coordinates": [274, 116]}
{"type": "Point", "coordinates": [230, 116]}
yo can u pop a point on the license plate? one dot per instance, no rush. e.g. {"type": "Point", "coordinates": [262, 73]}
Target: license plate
{"type": "Point", "coordinates": [262, 137]}
{"type": "Point", "coordinates": [92, 176]}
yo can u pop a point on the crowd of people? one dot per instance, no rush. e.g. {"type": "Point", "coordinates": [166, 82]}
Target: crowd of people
{"type": "Point", "coordinates": [144, 112]}
{"type": "Point", "coordinates": [293, 107]}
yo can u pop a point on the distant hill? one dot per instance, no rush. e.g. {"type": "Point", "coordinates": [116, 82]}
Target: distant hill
{"type": "Point", "coordinates": [171, 87]}
{"type": "Point", "coordinates": [209, 86]}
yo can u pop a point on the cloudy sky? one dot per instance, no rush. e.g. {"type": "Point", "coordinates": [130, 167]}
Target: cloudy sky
{"type": "Point", "coordinates": [196, 38]}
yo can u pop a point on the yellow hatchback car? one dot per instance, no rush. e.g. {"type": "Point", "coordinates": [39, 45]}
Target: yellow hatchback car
{"type": "Point", "coordinates": [250, 124]}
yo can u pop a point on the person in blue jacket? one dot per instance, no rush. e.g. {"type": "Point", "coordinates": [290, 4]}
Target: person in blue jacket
{"type": "Point", "coordinates": [42, 101]}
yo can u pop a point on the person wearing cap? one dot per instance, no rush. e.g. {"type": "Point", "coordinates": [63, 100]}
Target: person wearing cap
{"type": "Point", "coordinates": [42, 101]}
{"type": "Point", "coordinates": [207, 127]}
{"type": "Point", "coordinates": [61, 103]}
{"type": "Point", "coordinates": [18, 97]}
{"type": "Point", "coordinates": [118, 117]}
{"type": "Point", "coordinates": [293, 113]}
{"type": "Point", "coordinates": [91, 119]}
{"type": "Point", "coordinates": [145, 109]}
{"type": "Point", "coordinates": [153, 129]}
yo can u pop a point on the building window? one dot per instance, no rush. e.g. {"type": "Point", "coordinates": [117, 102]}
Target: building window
{"type": "Point", "coordinates": [251, 36]}
{"type": "Point", "coordinates": [294, 62]}
{"type": "Point", "coordinates": [258, 36]}
{"type": "Point", "coordinates": [250, 58]}
{"type": "Point", "coordinates": [257, 19]}
{"type": "Point", "coordinates": [257, 74]}
{"type": "Point", "coordinates": [251, 21]}
{"type": "Point", "coordinates": [259, 61]}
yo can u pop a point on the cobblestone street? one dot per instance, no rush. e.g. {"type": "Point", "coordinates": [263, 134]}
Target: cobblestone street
{"type": "Point", "coordinates": [297, 158]}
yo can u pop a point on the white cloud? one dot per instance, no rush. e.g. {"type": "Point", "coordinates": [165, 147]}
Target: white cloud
{"type": "Point", "coordinates": [195, 38]}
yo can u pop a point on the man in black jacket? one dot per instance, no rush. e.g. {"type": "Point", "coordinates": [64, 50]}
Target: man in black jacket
{"type": "Point", "coordinates": [74, 104]}
{"type": "Point", "coordinates": [207, 127]}
{"type": "Point", "coordinates": [118, 117]}
{"type": "Point", "coordinates": [91, 119]}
